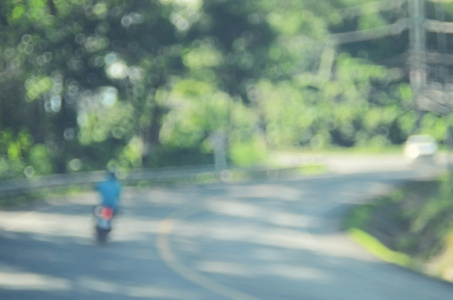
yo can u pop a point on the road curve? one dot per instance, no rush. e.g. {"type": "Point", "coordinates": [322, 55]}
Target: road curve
{"type": "Point", "coordinates": [267, 239]}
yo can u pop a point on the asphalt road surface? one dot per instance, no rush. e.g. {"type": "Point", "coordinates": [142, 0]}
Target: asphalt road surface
{"type": "Point", "coordinates": [263, 239]}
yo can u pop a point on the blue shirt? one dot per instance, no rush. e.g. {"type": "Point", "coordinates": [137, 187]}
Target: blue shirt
{"type": "Point", "coordinates": [110, 192]}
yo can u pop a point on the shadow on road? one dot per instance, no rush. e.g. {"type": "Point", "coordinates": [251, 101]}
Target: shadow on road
{"type": "Point", "coordinates": [276, 239]}
{"type": "Point", "coordinates": [51, 254]}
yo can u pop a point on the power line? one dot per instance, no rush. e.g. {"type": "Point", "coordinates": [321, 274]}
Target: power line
{"type": "Point", "coordinates": [425, 97]}
{"type": "Point", "coordinates": [439, 58]}
{"type": "Point", "coordinates": [370, 34]}
{"type": "Point", "coordinates": [438, 26]}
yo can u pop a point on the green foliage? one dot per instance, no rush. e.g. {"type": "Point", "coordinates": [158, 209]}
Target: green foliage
{"type": "Point", "coordinates": [105, 119]}
{"type": "Point", "coordinates": [40, 160]}
{"type": "Point", "coordinates": [414, 219]}
{"type": "Point", "coordinates": [434, 126]}
{"type": "Point", "coordinates": [248, 153]}
{"type": "Point", "coordinates": [202, 56]}
{"type": "Point", "coordinates": [436, 212]}
{"type": "Point", "coordinates": [359, 218]}
{"type": "Point", "coordinates": [128, 82]}
{"type": "Point", "coordinates": [14, 147]}
{"type": "Point", "coordinates": [37, 87]}
{"type": "Point", "coordinates": [371, 21]}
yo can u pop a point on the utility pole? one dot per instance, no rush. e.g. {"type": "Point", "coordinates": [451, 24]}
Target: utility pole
{"type": "Point", "coordinates": [417, 61]}
{"type": "Point", "coordinates": [443, 72]}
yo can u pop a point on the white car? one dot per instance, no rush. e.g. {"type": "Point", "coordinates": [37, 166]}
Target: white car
{"type": "Point", "coordinates": [420, 147]}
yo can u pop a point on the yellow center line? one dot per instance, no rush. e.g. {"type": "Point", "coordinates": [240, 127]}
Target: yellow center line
{"type": "Point", "coordinates": [167, 255]}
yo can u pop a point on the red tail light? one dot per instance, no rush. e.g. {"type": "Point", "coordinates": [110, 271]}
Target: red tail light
{"type": "Point", "coordinates": [107, 213]}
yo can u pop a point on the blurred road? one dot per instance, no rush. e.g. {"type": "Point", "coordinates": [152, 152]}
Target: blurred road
{"type": "Point", "coordinates": [263, 239]}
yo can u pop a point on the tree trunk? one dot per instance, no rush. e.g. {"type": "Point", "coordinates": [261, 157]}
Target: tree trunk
{"type": "Point", "coordinates": [151, 135]}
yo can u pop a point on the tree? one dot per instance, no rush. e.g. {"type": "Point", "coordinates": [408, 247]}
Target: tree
{"type": "Point", "coordinates": [85, 84]}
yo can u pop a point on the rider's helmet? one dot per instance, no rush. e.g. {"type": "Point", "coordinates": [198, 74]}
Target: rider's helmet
{"type": "Point", "coordinates": [111, 175]}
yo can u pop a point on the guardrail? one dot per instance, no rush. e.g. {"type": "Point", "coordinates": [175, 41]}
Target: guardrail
{"type": "Point", "coordinates": [146, 176]}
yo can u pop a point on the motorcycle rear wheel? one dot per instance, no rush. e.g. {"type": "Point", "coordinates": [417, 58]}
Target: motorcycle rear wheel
{"type": "Point", "coordinates": [101, 236]}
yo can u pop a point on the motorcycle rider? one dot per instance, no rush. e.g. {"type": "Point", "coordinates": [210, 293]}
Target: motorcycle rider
{"type": "Point", "coordinates": [110, 191]}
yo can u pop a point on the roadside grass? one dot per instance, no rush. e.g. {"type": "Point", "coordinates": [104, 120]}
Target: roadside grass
{"type": "Point", "coordinates": [410, 227]}
{"type": "Point", "coordinates": [374, 246]}
{"type": "Point", "coordinates": [358, 222]}
{"type": "Point", "coordinates": [313, 169]}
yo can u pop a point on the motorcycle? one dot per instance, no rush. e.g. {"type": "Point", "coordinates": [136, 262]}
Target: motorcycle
{"type": "Point", "coordinates": [103, 219]}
